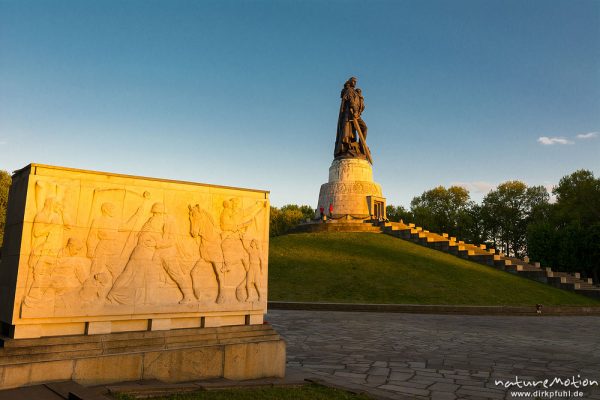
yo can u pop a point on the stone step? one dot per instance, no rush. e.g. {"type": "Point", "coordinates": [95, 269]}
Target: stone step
{"type": "Point", "coordinates": [172, 335]}
{"type": "Point", "coordinates": [522, 267]}
{"type": "Point", "coordinates": [502, 263]}
{"type": "Point", "coordinates": [437, 238]}
{"type": "Point", "coordinates": [565, 275]}
{"type": "Point", "coordinates": [183, 354]}
{"type": "Point", "coordinates": [594, 293]}
{"type": "Point", "coordinates": [563, 283]}
{"type": "Point", "coordinates": [491, 257]}
{"type": "Point", "coordinates": [537, 275]}
{"type": "Point", "coordinates": [566, 279]}
{"type": "Point", "coordinates": [586, 285]}
{"type": "Point", "coordinates": [517, 261]}
{"type": "Point", "coordinates": [487, 259]}
{"type": "Point", "coordinates": [73, 391]}
{"type": "Point", "coordinates": [441, 246]}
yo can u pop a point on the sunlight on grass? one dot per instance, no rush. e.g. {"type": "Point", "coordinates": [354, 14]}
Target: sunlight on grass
{"type": "Point", "coordinates": [376, 268]}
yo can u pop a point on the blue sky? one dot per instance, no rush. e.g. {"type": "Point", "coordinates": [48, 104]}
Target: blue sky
{"type": "Point", "coordinates": [246, 93]}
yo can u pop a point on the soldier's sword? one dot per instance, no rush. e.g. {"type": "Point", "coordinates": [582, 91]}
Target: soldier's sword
{"type": "Point", "coordinates": [362, 140]}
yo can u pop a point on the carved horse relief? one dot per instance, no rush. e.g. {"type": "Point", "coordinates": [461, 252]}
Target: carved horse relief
{"type": "Point", "coordinates": [204, 230]}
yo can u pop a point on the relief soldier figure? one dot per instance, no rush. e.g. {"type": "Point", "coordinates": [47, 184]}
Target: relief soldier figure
{"type": "Point", "coordinates": [105, 244]}
{"type": "Point", "coordinates": [253, 275]}
{"type": "Point", "coordinates": [203, 229]}
{"type": "Point", "coordinates": [47, 242]}
{"type": "Point", "coordinates": [234, 223]}
{"type": "Point", "coordinates": [156, 247]}
{"type": "Point", "coordinates": [72, 268]}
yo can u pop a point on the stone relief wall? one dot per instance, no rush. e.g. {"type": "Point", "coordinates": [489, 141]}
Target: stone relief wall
{"type": "Point", "coordinates": [97, 244]}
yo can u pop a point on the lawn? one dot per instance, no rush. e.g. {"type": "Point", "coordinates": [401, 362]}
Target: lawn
{"type": "Point", "coordinates": [377, 268]}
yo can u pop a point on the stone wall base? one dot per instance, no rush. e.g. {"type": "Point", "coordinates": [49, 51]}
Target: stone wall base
{"type": "Point", "coordinates": [340, 225]}
{"type": "Point", "coordinates": [348, 190]}
{"type": "Point", "coordinates": [233, 352]}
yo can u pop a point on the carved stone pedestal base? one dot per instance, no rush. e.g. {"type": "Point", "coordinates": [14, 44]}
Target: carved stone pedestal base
{"type": "Point", "coordinates": [351, 191]}
{"type": "Point", "coordinates": [233, 352]}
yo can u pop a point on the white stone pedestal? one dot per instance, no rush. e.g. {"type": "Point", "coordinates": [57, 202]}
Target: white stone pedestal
{"type": "Point", "coordinates": [351, 190]}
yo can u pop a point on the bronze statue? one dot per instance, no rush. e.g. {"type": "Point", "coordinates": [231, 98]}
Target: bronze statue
{"type": "Point", "coordinates": [351, 129]}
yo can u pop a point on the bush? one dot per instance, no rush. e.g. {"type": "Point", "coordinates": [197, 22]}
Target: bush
{"type": "Point", "coordinates": [288, 216]}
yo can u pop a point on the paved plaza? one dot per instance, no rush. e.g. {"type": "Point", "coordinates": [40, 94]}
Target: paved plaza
{"type": "Point", "coordinates": [400, 356]}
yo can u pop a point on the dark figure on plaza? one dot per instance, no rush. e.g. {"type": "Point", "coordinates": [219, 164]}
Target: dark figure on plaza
{"type": "Point", "coordinates": [351, 129]}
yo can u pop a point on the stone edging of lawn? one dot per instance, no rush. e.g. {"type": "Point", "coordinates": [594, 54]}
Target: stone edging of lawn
{"type": "Point", "coordinates": [436, 309]}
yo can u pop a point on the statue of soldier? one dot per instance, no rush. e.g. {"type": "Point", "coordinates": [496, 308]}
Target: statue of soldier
{"type": "Point", "coordinates": [352, 105]}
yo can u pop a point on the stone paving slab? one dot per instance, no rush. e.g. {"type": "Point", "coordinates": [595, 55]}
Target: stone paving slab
{"type": "Point", "coordinates": [400, 356]}
{"type": "Point", "coordinates": [39, 392]}
{"type": "Point", "coordinates": [66, 390]}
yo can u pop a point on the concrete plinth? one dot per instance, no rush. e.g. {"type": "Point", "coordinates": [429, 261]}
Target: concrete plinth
{"type": "Point", "coordinates": [233, 352]}
{"type": "Point", "coordinates": [351, 190]}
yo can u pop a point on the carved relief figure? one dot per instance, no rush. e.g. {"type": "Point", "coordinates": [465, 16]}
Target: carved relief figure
{"type": "Point", "coordinates": [254, 271]}
{"type": "Point", "coordinates": [72, 268]}
{"type": "Point", "coordinates": [202, 228]}
{"type": "Point", "coordinates": [105, 245]}
{"type": "Point", "coordinates": [99, 246]}
{"type": "Point", "coordinates": [47, 241]}
{"type": "Point", "coordinates": [70, 275]}
{"type": "Point", "coordinates": [48, 226]}
{"type": "Point", "coordinates": [234, 223]}
{"type": "Point", "coordinates": [103, 242]}
{"type": "Point", "coordinates": [156, 248]}
{"type": "Point", "coordinates": [167, 254]}
{"type": "Point", "coordinates": [95, 290]}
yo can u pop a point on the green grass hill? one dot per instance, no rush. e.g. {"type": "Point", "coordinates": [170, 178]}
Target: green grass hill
{"type": "Point", "coordinates": [377, 268]}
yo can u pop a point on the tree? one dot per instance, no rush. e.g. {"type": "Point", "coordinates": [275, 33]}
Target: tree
{"type": "Point", "coordinates": [506, 213]}
{"type": "Point", "coordinates": [566, 235]}
{"type": "Point", "coordinates": [471, 224]}
{"type": "Point", "coordinates": [441, 210]}
{"type": "Point", "coordinates": [578, 198]}
{"type": "Point", "coordinates": [397, 213]}
{"type": "Point", "coordinates": [288, 216]}
{"type": "Point", "coordinates": [5, 181]}
{"type": "Point", "coordinates": [307, 211]}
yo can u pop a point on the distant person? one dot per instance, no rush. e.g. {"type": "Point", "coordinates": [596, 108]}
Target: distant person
{"type": "Point", "coordinates": [330, 210]}
{"type": "Point", "coordinates": [322, 211]}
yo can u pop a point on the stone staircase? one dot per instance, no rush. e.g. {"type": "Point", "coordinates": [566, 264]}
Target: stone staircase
{"type": "Point", "coordinates": [491, 257]}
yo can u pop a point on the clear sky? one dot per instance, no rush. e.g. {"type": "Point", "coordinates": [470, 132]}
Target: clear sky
{"type": "Point", "coordinates": [246, 93]}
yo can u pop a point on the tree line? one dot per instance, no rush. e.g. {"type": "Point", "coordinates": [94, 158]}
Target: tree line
{"type": "Point", "coordinates": [520, 220]}
{"type": "Point", "coordinates": [5, 180]}
{"type": "Point", "coordinates": [285, 218]}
